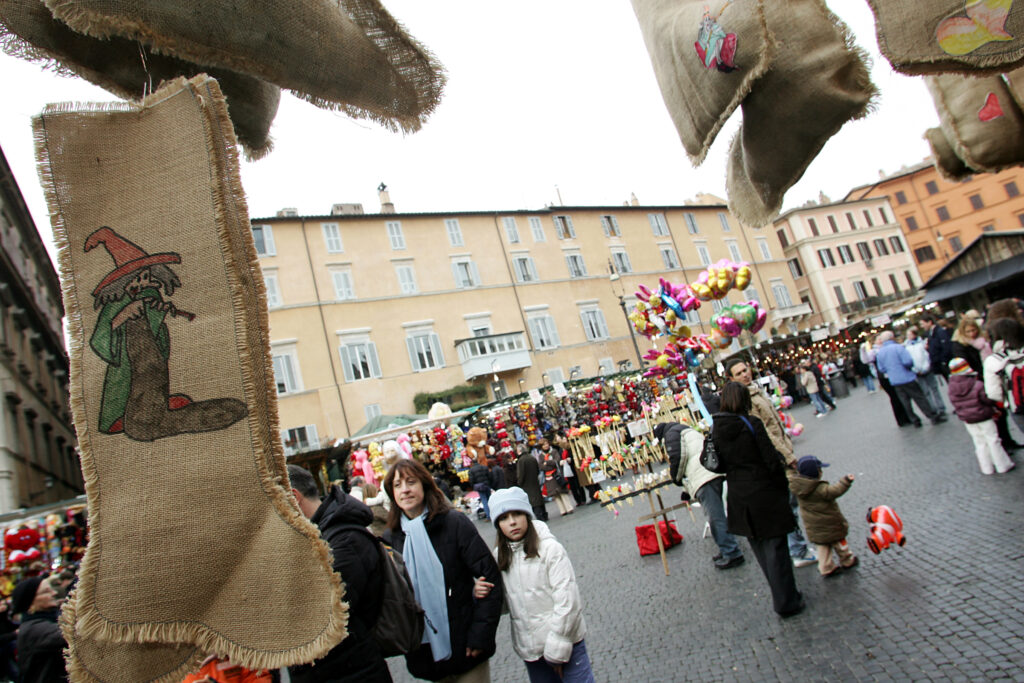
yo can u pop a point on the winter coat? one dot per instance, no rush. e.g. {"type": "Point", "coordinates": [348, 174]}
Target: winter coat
{"type": "Point", "coordinates": [758, 499]}
{"type": "Point", "coordinates": [998, 368]}
{"type": "Point", "coordinates": [919, 353]}
{"type": "Point", "coordinates": [808, 382]}
{"type": "Point", "coordinates": [823, 522]}
{"type": "Point", "coordinates": [940, 348]}
{"type": "Point", "coordinates": [553, 478]}
{"type": "Point", "coordinates": [692, 474]}
{"type": "Point", "coordinates": [967, 394]}
{"type": "Point", "coordinates": [498, 478]}
{"type": "Point", "coordinates": [764, 410]}
{"type": "Point", "coordinates": [543, 600]}
{"type": "Point", "coordinates": [356, 558]}
{"type": "Point", "coordinates": [472, 623]}
{"type": "Point", "coordinates": [527, 473]}
{"type": "Point", "coordinates": [969, 354]}
{"type": "Point", "coordinates": [41, 649]}
{"type": "Point", "coordinates": [896, 363]}
{"type": "Point", "coordinates": [480, 478]}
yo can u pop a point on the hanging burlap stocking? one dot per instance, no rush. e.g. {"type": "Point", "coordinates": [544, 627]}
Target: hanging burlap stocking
{"type": "Point", "coordinates": [194, 539]}
{"type": "Point", "coordinates": [350, 55]}
{"type": "Point", "coordinates": [1015, 84]}
{"type": "Point", "coordinates": [980, 120]}
{"type": "Point", "coordinates": [705, 56]}
{"type": "Point", "coordinates": [948, 164]}
{"type": "Point", "coordinates": [818, 82]}
{"type": "Point", "coordinates": [29, 31]}
{"type": "Point", "coordinates": [966, 36]}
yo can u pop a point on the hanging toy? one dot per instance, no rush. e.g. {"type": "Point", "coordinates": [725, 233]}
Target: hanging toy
{"type": "Point", "coordinates": [886, 528]}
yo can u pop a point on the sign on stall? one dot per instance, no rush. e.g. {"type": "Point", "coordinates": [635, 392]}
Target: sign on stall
{"type": "Point", "coordinates": [638, 428]}
{"type": "Point", "coordinates": [880, 320]}
{"type": "Point", "coordinates": [560, 391]}
{"type": "Point", "coordinates": [819, 335]}
{"type": "Point", "coordinates": [535, 396]}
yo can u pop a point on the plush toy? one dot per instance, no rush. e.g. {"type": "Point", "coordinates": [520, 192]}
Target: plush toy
{"type": "Point", "coordinates": [476, 444]}
{"type": "Point", "coordinates": [392, 452]}
{"type": "Point", "coordinates": [405, 443]}
{"type": "Point", "coordinates": [886, 528]}
{"type": "Point", "coordinates": [364, 467]}
{"type": "Point", "coordinates": [439, 411]}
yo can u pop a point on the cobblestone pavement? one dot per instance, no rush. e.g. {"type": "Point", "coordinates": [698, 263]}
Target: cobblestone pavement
{"type": "Point", "coordinates": [946, 606]}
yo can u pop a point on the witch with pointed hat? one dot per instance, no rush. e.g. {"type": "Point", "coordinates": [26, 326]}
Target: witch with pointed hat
{"type": "Point", "coordinates": [131, 335]}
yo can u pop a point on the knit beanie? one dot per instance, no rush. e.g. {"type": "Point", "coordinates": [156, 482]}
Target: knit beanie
{"type": "Point", "coordinates": [24, 594]}
{"type": "Point", "coordinates": [959, 366]}
{"type": "Point", "coordinates": [512, 499]}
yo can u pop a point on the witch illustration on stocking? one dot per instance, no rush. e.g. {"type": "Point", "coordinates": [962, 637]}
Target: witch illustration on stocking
{"type": "Point", "coordinates": [131, 335]}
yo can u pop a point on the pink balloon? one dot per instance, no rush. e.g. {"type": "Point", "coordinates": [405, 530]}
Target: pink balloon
{"type": "Point", "coordinates": [762, 317]}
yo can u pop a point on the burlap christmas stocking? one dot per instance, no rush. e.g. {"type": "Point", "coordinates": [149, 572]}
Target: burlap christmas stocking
{"type": "Point", "coordinates": [349, 54]}
{"type": "Point", "coordinates": [967, 36]}
{"type": "Point", "coordinates": [194, 539]}
{"type": "Point", "coordinates": [29, 31]}
{"type": "Point", "coordinates": [948, 164]}
{"type": "Point", "coordinates": [817, 82]}
{"type": "Point", "coordinates": [705, 56]}
{"type": "Point", "coordinates": [980, 119]}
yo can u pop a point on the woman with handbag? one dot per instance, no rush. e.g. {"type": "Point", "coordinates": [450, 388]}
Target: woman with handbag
{"type": "Point", "coordinates": [758, 501]}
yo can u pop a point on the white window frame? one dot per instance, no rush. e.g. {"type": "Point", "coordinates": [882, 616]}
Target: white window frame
{"type": "Point", "coordinates": [669, 256]}
{"type": "Point", "coordinates": [621, 261]}
{"type": "Point", "coordinates": [860, 290]}
{"type": "Point", "coordinates": [395, 235]}
{"type": "Point", "coordinates": [766, 250]}
{"type": "Point", "coordinates": [524, 268]}
{"type": "Point", "coordinates": [576, 257]}
{"type": "Point", "coordinates": [511, 229]}
{"type": "Point", "coordinates": [795, 268]}
{"type": "Point", "coordinates": [734, 250]}
{"type": "Point", "coordinates": [555, 375]}
{"type": "Point", "coordinates": [312, 439]}
{"type": "Point", "coordinates": [422, 344]}
{"type": "Point", "coordinates": [406, 274]}
{"type": "Point", "coordinates": [266, 239]}
{"type": "Point", "coordinates": [543, 331]}
{"type": "Point", "coordinates": [822, 253]}
{"type": "Point", "coordinates": [563, 227]}
{"type": "Point", "coordinates": [332, 238]}
{"type": "Point", "coordinates": [454, 230]}
{"type": "Point", "coordinates": [779, 287]}
{"type": "Point", "coordinates": [371, 410]}
{"type": "Point", "coordinates": [339, 276]}
{"type": "Point", "coordinates": [659, 224]}
{"type": "Point", "coordinates": [478, 324]}
{"type": "Point", "coordinates": [723, 218]}
{"type": "Point", "coordinates": [537, 229]}
{"type": "Point", "coordinates": [595, 326]}
{"type": "Point", "coordinates": [358, 351]}
{"type": "Point", "coordinates": [468, 278]}
{"type": "Point", "coordinates": [273, 287]}
{"type": "Point", "coordinates": [287, 374]}
{"type": "Point", "coordinates": [605, 366]}
{"type": "Point", "coordinates": [845, 254]}
{"type": "Point", "coordinates": [691, 223]}
{"type": "Point", "coordinates": [703, 255]}
{"type": "Point", "coordinates": [610, 226]}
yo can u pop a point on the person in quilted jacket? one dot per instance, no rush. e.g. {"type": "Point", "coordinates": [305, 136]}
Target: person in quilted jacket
{"type": "Point", "coordinates": [977, 411]}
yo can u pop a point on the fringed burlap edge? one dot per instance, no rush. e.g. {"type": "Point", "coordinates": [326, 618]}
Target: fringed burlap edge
{"type": "Point", "coordinates": [761, 212]}
{"type": "Point", "coordinates": [980, 65]}
{"type": "Point", "coordinates": [254, 355]}
{"type": "Point", "coordinates": [412, 62]}
{"type": "Point", "coordinates": [947, 163]}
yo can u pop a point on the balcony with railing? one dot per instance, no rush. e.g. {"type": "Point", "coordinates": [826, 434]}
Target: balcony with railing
{"type": "Point", "coordinates": [493, 353]}
{"type": "Point", "coordinates": [798, 311]}
{"type": "Point", "coordinates": [872, 302]}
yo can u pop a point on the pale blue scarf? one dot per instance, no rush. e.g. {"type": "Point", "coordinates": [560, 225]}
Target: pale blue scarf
{"type": "Point", "coordinates": [427, 577]}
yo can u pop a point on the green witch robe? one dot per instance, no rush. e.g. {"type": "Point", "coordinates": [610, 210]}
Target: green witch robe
{"type": "Point", "coordinates": [111, 345]}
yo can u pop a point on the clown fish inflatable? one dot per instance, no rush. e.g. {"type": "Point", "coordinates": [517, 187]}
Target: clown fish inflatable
{"type": "Point", "coordinates": [886, 528]}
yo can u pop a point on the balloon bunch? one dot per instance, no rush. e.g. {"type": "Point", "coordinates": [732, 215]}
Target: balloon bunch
{"type": "Point", "coordinates": [676, 356]}
{"type": "Point", "coordinates": [715, 281]}
{"type": "Point", "coordinates": [732, 320]}
{"type": "Point", "coordinates": [782, 401]}
{"type": "Point", "coordinates": [661, 312]}
{"type": "Point", "coordinates": [792, 427]}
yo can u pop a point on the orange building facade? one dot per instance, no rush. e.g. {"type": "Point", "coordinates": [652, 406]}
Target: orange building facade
{"type": "Point", "coordinates": [940, 217]}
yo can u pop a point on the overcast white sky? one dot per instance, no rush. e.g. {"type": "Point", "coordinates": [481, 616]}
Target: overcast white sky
{"type": "Point", "coordinates": [541, 93]}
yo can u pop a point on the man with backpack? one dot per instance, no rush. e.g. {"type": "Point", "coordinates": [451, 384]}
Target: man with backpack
{"type": "Point", "coordinates": [342, 521]}
{"type": "Point", "coordinates": [684, 446]}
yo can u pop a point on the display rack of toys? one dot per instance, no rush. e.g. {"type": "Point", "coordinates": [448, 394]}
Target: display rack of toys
{"type": "Point", "coordinates": [39, 544]}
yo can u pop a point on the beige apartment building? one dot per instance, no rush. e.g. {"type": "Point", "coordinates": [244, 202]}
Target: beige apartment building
{"type": "Point", "coordinates": [367, 310]}
{"type": "Point", "coordinates": [850, 260]}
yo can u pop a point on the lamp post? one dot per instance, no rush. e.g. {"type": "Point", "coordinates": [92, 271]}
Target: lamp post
{"type": "Point", "coordinates": [620, 292]}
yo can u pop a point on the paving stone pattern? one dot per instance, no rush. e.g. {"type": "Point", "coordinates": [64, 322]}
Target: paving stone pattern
{"type": "Point", "coordinates": [946, 606]}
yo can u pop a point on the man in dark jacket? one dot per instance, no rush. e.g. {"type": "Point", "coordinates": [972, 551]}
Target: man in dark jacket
{"type": "Point", "coordinates": [40, 643]}
{"type": "Point", "coordinates": [528, 478]}
{"type": "Point", "coordinates": [339, 518]}
{"type": "Point", "coordinates": [940, 345]}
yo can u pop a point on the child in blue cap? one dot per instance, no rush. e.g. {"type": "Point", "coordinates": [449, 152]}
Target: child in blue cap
{"type": "Point", "coordinates": [824, 524]}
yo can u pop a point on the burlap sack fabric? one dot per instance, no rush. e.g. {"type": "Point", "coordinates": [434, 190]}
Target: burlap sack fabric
{"type": "Point", "coordinates": [345, 54]}
{"type": "Point", "coordinates": [933, 36]}
{"type": "Point", "coordinates": [194, 539]}
{"type": "Point", "coordinates": [980, 119]}
{"type": "Point", "coordinates": [29, 31]}
{"type": "Point", "coordinates": [817, 82]}
{"type": "Point", "coordinates": [948, 164]}
{"type": "Point", "coordinates": [702, 92]}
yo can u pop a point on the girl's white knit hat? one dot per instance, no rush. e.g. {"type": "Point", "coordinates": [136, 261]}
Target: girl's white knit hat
{"type": "Point", "coordinates": [508, 500]}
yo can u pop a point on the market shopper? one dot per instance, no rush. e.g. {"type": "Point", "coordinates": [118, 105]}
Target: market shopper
{"type": "Point", "coordinates": [758, 494]}
{"type": "Point", "coordinates": [969, 343]}
{"type": "Point", "coordinates": [554, 481]}
{"type": "Point", "coordinates": [528, 479]}
{"type": "Point", "coordinates": [684, 445]}
{"type": "Point", "coordinates": [940, 344]}
{"type": "Point", "coordinates": [898, 366]}
{"type": "Point", "coordinates": [761, 407]}
{"type": "Point", "coordinates": [865, 362]}
{"type": "Point", "coordinates": [569, 471]}
{"type": "Point", "coordinates": [447, 560]}
{"type": "Point", "coordinates": [541, 593]}
{"type": "Point", "coordinates": [926, 377]}
{"type": "Point", "coordinates": [976, 410]}
{"type": "Point", "coordinates": [339, 517]}
{"type": "Point", "coordinates": [810, 385]}
{"type": "Point", "coordinates": [1006, 361]}
{"type": "Point", "coordinates": [826, 526]}
{"type": "Point", "coordinates": [40, 642]}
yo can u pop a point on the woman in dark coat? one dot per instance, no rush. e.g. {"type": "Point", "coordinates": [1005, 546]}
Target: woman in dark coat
{"type": "Point", "coordinates": [445, 556]}
{"type": "Point", "coordinates": [898, 411]}
{"type": "Point", "coordinates": [528, 479]}
{"type": "Point", "coordinates": [758, 494]}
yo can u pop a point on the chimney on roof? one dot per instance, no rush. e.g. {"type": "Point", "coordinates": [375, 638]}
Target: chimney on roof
{"type": "Point", "coordinates": [633, 201]}
{"type": "Point", "coordinates": [289, 212]}
{"type": "Point", "coordinates": [385, 199]}
{"type": "Point", "coordinates": [881, 174]}
{"type": "Point", "coordinates": [823, 198]}
{"type": "Point", "coordinates": [346, 209]}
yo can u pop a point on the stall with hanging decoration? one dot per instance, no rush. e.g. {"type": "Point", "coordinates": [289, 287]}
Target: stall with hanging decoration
{"type": "Point", "coordinates": [38, 540]}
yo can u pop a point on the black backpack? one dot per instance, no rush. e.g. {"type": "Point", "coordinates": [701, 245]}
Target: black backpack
{"type": "Point", "coordinates": [399, 627]}
{"type": "Point", "coordinates": [709, 457]}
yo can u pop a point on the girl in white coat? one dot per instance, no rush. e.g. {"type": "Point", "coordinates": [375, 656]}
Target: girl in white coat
{"type": "Point", "coordinates": [540, 589]}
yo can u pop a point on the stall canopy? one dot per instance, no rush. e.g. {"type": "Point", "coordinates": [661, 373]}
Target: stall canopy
{"type": "Point", "coordinates": [989, 260]}
{"type": "Point", "coordinates": [382, 422]}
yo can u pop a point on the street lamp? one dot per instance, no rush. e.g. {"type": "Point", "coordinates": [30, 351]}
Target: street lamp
{"type": "Point", "coordinates": [620, 292]}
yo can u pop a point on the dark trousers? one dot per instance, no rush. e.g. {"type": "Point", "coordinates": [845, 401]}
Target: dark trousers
{"type": "Point", "coordinates": [540, 512]}
{"type": "Point", "coordinates": [577, 491]}
{"type": "Point", "coordinates": [911, 391]}
{"type": "Point", "coordinates": [773, 556]}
